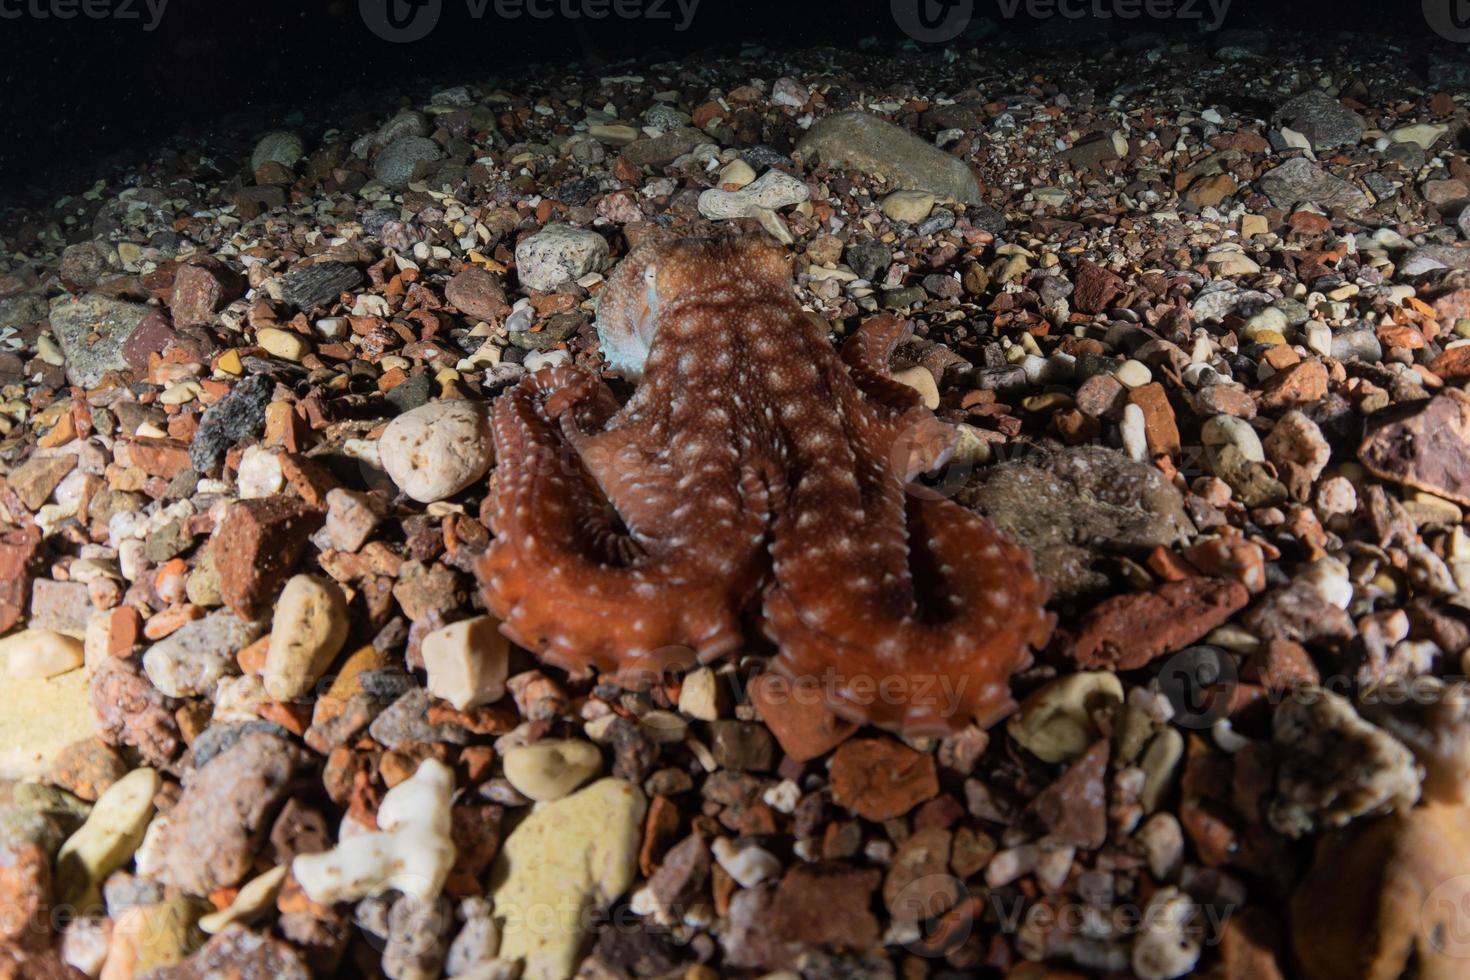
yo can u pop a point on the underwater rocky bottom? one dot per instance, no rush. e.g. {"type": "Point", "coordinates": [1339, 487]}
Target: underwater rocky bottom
{"type": "Point", "coordinates": [595, 522]}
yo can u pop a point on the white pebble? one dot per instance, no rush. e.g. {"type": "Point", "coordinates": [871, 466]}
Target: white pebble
{"type": "Point", "coordinates": [39, 653]}
{"type": "Point", "coordinates": [1133, 374]}
{"type": "Point", "coordinates": [437, 449]}
{"type": "Point", "coordinates": [1227, 430]}
{"type": "Point", "coordinates": [748, 865]}
{"type": "Point", "coordinates": [1135, 433]}
{"type": "Point", "coordinates": [260, 474]}
{"type": "Point", "coordinates": [467, 662]}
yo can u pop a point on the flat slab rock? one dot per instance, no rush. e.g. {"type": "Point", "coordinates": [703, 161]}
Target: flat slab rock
{"type": "Point", "coordinates": [1127, 631]}
{"type": "Point", "coordinates": [858, 141]}
{"type": "Point", "coordinates": [92, 330]}
{"type": "Point", "coordinates": [1427, 447]}
{"type": "Point", "coordinates": [1074, 506]}
{"type": "Point", "coordinates": [319, 284]}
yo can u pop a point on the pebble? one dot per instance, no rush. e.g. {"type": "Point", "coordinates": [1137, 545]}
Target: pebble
{"type": "Point", "coordinates": [910, 207]}
{"type": "Point", "coordinates": [208, 839]}
{"type": "Point", "coordinates": [576, 855]}
{"type": "Point", "coordinates": [558, 254]}
{"type": "Point", "coordinates": [113, 831]}
{"type": "Point", "coordinates": [1228, 263]}
{"type": "Point", "coordinates": [285, 344]}
{"type": "Point", "coordinates": [552, 768]}
{"type": "Point", "coordinates": [700, 696]}
{"type": "Point", "coordinates": [1313, 792]}
{"type": "Point", "coordinates": [1164, 948]}
{"type": "Point", "coordinates": [467, 662]}
{"type": "Point", "coordinates": [1227, 430]}
{"type": "Point", "coordinates": [1323, 119]}
{"type": "Point", "coordinates": [308, 628]}
{"type": "Point", "coordinates": [39, 653]}
{"type": "Point", "coordinates": [254, 547]}
{"type": "Point", "coordinates": [477, 294]}
{"type": "Point", "coordinates": [735, 175]}
{"type": "Point", "coordinates": [92, 330]}
{"type": "Point", "coordinates": [748, 864]}
{"type": "Point", "coordinates": [922, 381]}
{"type": "Point", "coordinates": [238, 415]}
{"type": "Point", "coordinates": [278, 146]}
{"type": "Point", "coordinates": [437, 450]}
{"type": "Point", "coordinates": [804, 729]}
{"type": "Point", "coordinates": [1133, 374]}
{"type": "Point", "coordinates": [880, 779]}
{"type": "Point", "coordinates": [395, 164]}
{"type": "Point", "coordinates": [1424, 135]}
{"type": "Point", "coordinates": [351, 519]}
{"type": "Point", "coordinates": [319, 284]}
{"type": "Point", "coordinates": [1057, 723]}
{"type": "Point", "coordinates": [259, 474]}
{"type": "Point", "coordinates": [196, 656]}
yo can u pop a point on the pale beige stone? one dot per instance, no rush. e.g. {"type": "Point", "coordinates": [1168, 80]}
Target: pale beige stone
{"type": "Point", "coordinates": [565, 861]}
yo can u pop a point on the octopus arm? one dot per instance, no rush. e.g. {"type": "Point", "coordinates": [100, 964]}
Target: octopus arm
{"type": "Point", "coordinates": [928, 671]}
{"type": "Point", "coordinates": [565, 575]}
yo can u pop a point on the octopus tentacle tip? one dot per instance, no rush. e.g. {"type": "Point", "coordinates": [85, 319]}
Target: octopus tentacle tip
{"type": "Point", "coordinates": [758, 476]}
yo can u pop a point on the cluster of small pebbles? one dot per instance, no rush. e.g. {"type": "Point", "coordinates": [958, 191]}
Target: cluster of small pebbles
{"type": "Point", "coordinates": [1199, 309]}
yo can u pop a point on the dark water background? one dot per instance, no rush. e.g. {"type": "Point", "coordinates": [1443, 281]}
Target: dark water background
{"type": "Point", "coordinates": [76, 94]}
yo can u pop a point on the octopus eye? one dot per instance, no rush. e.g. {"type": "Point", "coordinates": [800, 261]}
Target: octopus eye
{"type": "Point", "coordinates": [650, 274]}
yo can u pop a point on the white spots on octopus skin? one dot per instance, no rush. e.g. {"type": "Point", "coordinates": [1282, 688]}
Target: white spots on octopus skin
{"type": "Point", "coordinates": [890, 647]}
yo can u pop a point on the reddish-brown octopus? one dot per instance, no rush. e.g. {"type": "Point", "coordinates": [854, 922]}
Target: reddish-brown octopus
{"type": "Point", "coordinates": [754, 474]}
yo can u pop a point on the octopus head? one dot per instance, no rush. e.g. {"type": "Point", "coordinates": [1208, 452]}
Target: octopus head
{"type": "Point", "coordinates": [657, 276]}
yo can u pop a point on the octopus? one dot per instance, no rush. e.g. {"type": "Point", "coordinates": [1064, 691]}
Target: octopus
{"type": "Point", "coordinates": [759, 479]}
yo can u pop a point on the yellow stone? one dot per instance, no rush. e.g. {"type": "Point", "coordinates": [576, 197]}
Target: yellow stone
{"type": "Point", "coordinates": [229, 363]}
{"type": "Point", "coordinates": [485, 262]}
{"type": "Point", "coordinates": [113, 831]}
{"type": "Point", "coordinates": [566, 860]}
{"type": "Point", "coordinates": [1252, 225]}
{"type": "Point", "coordinates": [1048, 402]}
{"type": "Point", "coordinates": [39, 718]}
{"type": "Point", "coordinates": [345, 683]}
{"type": "Point", "coordinates": [285, 344]}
